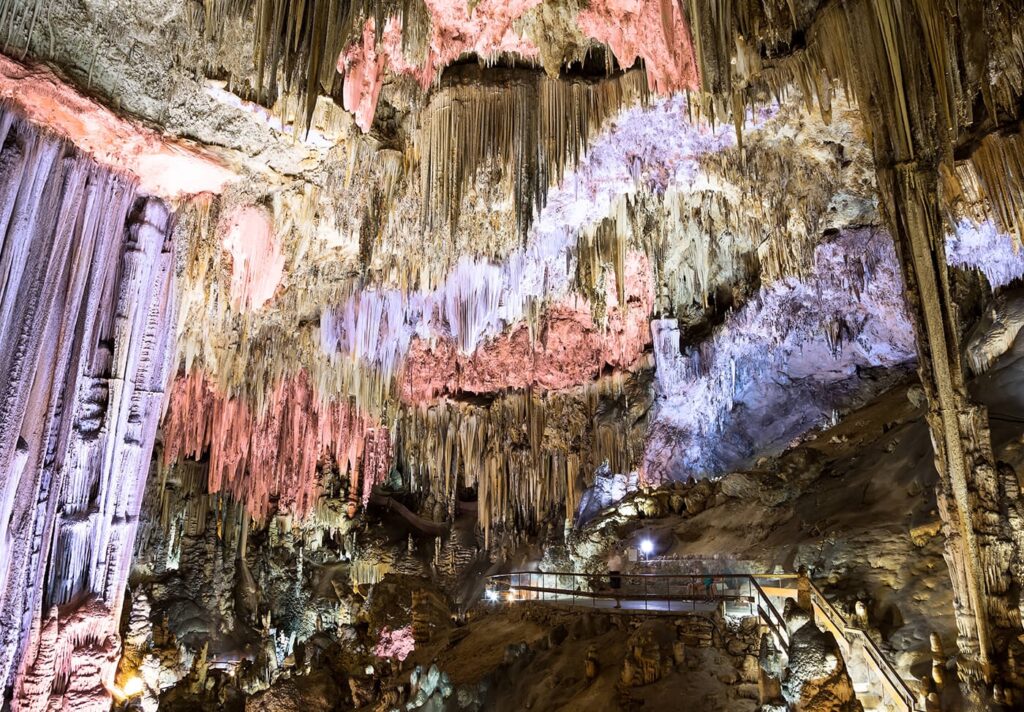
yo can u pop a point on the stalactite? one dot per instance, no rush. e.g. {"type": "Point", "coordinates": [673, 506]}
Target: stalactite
{"type": "Point", "coordinates": [373, 327]}
{"type": "Point", "coordinates": [300, 40]}
{"type": "Point", "coordinates": [219, 295]}
{"type": "Point", "coordinates": [297, 43]}
{"type": "Point", "coordinates": [86, 309]}
{"type": "Point", "coordinates": [266, 456]}
{"type": "Point", "coordinates": [599, 245]}
{"type": "Point", "coordinates": [530, 126]}
{"type": "Point", "coordinates": [363, 67]}
{"type": "Point", "coordinates": [366, 329]}
{"type": "Point", "coordinates": [378, 457]}
{"type": "Point", "coordinates": [528, 455]}
{"type": "Point", "coordinates": [996, 175]}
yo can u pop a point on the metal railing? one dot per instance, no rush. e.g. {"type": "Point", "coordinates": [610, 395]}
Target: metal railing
{"type": "Point", "coordinates": [770, 615]}
{"type": "Point", "coordinates": [655, 593]}
{"type": "Point", "coordinates": [893, 681]}
{"type": "Point", "coordinates": [681, 593]}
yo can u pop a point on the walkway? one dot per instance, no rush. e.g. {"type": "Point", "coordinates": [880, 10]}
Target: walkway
{"type": "Point", "coordinates": [735, 594]}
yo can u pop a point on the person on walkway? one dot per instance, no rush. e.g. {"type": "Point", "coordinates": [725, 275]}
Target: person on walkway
{"type": "Point", "coordinates": [709, 585]}
{"type": "Point", "coordinates": [615, 571]}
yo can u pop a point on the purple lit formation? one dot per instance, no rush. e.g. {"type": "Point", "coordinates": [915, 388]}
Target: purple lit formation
{"type": "Point", "coordinates": [86, 340]}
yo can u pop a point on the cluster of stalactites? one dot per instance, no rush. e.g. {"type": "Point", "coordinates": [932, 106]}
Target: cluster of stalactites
{"type": "Point", "coordinates": [375, 328]}
{"type": "Point", "coordinates": [745, 50]}
{"type": "Point", "coordinates": [86, 315]}
{"type": "Point", "coordinates": [529, 126]}
{"type": "Point", "coordinates": [694, 237]}
{"type": "Point", "coordinates": [529, 456]}
{"type": "Point", "coordinates": [298, 42]}
{"type": "Point", "coordinates": [990, 184]}
{"type": "Point", "coordinates": [859, 46]}
{"type": "Point", "coordinates": [701, 231]}
{"type": "Point", "coordinates": [267, 457]}
{"type": "Point", "coordinates": [597, 247]}
{"type": "Point", "coordinates": [214, 314]}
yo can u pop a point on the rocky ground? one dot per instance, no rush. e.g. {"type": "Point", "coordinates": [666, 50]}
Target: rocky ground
{"type": "Point", "coordinates": [536, 658]}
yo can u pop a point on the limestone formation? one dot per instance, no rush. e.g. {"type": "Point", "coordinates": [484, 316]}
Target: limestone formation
{"type": "Point", "coordinates": [88, 306]}
{"type": "Point", "coordinates": [341, 342]}
{"type": "Point", "coordinates": [816, 677]}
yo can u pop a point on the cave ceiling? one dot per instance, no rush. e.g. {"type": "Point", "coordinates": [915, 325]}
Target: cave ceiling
{"type": "Point", "coordinates": [482, 252]}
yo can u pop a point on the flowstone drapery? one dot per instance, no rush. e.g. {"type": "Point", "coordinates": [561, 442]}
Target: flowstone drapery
{"type": "Point", "coordinates": [86, 314]}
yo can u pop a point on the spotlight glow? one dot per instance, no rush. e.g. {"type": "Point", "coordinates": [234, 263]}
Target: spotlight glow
{"type": "Point", "coordinates": [492, 595]}
{"type": "Point", "coordinates": [133, 687]}
{"type": "Point", "coordinates": [647, 546]}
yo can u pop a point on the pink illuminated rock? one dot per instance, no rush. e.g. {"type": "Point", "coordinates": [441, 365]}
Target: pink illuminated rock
{"type": "Point", "coordinates": [398, 643]}
{"type": "Point", "coordinates": [652, 30]}
{"type": "Point", "coordinates": [259, 457]}
{"type": "Point", "coordinates": [363, 67]}
{"type": "Point", "coordinates": [71, 659]}
{"type": "Point", "coordinates": [163, 167]}
{"type": "Point", "coordinates": [485, 30]}
{"type": "Point", "coordinates": [570, 350]}
{"type": "Point", "coordinates": [257, 262]}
